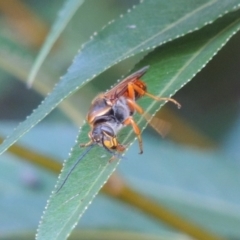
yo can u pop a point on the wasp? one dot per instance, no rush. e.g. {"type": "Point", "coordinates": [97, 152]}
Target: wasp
{"type": "Point", "coordinates": [114, 109]}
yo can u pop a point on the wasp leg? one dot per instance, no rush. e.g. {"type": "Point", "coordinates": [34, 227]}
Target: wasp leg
{"type": "Point", "coordinates": [112, 159]}
{"type": "Point", "coordinates": [134, 105]}
{"type": "Point", "coordinates": [120, 147]}
{"type": "Point", "coordinates": [131, 100]}
{"type": "Point", "coordinates": [86, 144]}
{"type": "Point", "coordinates": [142, 92]}
{"type": "Point", "coordinates": [131, 92]}
{"type": "Point", "coordinates": [136, 130]}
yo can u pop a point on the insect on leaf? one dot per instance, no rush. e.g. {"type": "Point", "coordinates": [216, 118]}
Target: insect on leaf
{"type": "Point", "coordinates": [171, 66]}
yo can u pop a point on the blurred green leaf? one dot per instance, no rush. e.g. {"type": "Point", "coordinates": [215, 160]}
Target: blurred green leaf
{"type": "Point", "coordinates": [201, 186]}
{"type": "Point", "coordinates": [172, 66]}
{"type": "Point", "coordinates": [23, 184]}
{"type": "Point", "coordinates": [17, 62]}
{"type": "Point", "coordinates": [105, 235]}
{"type": "Point", "coordinates": [65, 15]}
{"type": "Point", "coordinates": [150, 24]}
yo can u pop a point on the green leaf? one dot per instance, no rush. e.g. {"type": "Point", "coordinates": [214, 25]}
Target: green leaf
{"type": "Point", "coordinates": [65, 15]}
{"type": "Point", "coordinates": [147, 26]}
{"type": "Point", "coordinates": [172, 66]}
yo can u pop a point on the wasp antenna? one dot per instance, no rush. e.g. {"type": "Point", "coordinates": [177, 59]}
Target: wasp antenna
{"type": "Point", "coordinates": [73, 167]}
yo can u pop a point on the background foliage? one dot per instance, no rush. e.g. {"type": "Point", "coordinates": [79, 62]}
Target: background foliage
{"type": "Point", "coordinates": [193, 172]}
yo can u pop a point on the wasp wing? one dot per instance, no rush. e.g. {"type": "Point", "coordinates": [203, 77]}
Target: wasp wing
{"type": "Point", "coordinates": [121, 88]}
{"type": "Point", "coordinates": [160, 126]}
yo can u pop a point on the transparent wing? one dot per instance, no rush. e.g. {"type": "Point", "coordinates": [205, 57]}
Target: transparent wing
{"type": "Point", "coordinates": [160, 126]}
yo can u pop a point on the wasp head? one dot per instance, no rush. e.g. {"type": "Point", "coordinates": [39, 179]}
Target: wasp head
{"type": "Point", "coordinates": [104, 135]}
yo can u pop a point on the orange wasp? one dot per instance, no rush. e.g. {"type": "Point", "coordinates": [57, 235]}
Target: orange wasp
{"type": "Point", "coordinates": [113, 110]}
